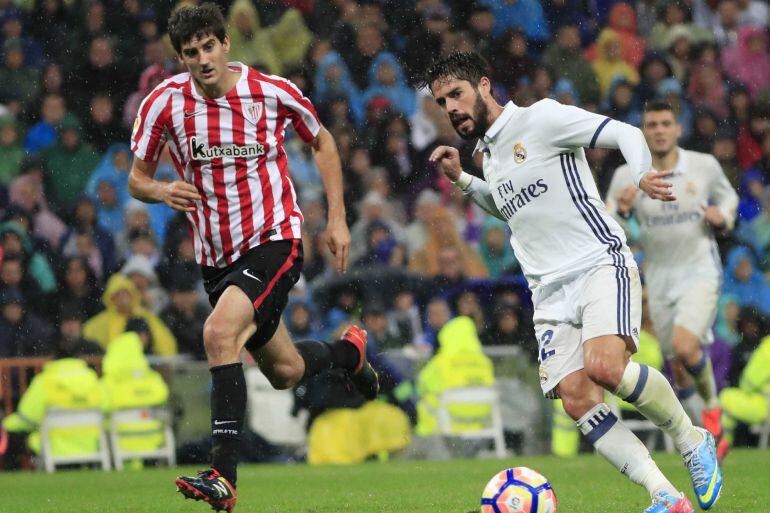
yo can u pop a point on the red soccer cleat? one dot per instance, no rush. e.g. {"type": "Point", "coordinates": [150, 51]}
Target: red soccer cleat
{"type": "Point", "coordinates": [363, 375]}
{"type": "Point", "coordinates": [209, 486]}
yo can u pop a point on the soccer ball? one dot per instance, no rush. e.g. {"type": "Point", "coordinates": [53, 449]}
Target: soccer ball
{"type": "Point", "coordinates": [518, 490]}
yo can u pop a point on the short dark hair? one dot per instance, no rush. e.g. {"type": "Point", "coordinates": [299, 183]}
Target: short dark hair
{"type": "Point", "coordinates": [657, 106]}
{"type": "Point", "coordinates": [468, 66]}
{"type": "Point", "coordinates": [187, 23]}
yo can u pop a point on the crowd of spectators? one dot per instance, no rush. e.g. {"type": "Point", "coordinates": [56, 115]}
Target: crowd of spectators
{"type": "Point", "coordinates": [80, 257]}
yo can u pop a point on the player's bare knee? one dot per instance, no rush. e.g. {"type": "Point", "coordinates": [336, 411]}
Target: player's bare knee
{"type": "Point", "coordinates": [577, 406]}
{"type": "Point", "coordinates": [688, 352]}
{"type": "Point", "coordinates": [219, 341]}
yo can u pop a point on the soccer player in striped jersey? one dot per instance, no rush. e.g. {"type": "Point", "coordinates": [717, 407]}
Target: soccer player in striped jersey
{"type": "Point", "coordinates": [584, 281]}
{"type": "Point", "coordinates": [683, 269]}
{"type": "Point", "coordinates": [223, 123]}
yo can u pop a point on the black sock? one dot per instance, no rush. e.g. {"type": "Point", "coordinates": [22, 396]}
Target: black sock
{"type": "Point", "coordinates": [321, 356]}
{"type": "Point", "coordinates": [228, 407]}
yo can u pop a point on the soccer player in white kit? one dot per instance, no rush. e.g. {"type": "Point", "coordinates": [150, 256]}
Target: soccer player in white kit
{"type": "Point", "coordinates": [584, 282]}
{"type": "Point", "coordinates": [683, 272]}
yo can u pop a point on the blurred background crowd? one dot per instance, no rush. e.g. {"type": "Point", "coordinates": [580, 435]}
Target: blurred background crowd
{"type": "Point", "coordinates": [80, 258]}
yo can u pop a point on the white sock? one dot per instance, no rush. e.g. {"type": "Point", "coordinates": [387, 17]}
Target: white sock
{"type": "Point", "coordinates": [651, 394]}
{"type": "Point", "coordinates": [705, 383]}
{"type": "Point", "coordinates": [613, 440]}
{"type": "Point", "coordinates": [693, 404]}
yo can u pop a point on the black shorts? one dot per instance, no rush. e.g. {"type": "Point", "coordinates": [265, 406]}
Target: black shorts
{"type": "Point", "coordinates": [266, 274]}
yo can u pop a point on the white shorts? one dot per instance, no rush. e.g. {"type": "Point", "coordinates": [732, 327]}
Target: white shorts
{"type": "Point", "coordinates": [604, 301]}
{"type": "Point", "coordinates": [695, 310]}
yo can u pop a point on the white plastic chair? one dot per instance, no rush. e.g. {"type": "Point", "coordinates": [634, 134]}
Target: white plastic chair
{"type": "Point", "coordinates": [473, 396]}
{"type": "Point", "coordinates": [641, 426]}
{"type": "Point", "coordinates": [763, 430]}
{"type": "Point", "coordinates": [167, 452]}
{"type": "Point", "coordinates": [56, 418]}
{"type": "Point", "coordinates": [270, 412]}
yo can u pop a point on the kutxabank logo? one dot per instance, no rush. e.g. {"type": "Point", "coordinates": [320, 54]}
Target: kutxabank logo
{"type": "Point", "coordinates": [200, 151]}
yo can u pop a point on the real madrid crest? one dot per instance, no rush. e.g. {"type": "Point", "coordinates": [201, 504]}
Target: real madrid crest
{"type": "Point", "coordinates": [519, 153]}
{"type": "Point", "coordinates": [543, 375]}
{"type": "Point", "coordinates": [691, 189]}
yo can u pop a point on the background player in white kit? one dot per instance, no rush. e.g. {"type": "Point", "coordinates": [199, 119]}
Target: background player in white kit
{"type": "Point", "coordinates": [585, 285]}
{"type": "Point", "coordinates": [683, 273]}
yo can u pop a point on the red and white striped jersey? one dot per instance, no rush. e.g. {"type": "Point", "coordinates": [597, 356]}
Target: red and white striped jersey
{"type": "Point", "coordinates": [231, 150]}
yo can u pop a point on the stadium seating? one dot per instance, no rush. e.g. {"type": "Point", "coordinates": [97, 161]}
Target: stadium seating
{"type": "Point", "coordinates": [477, 396]}
{"type": "Point", "coordinates": [141, 422]}
{"type": "Point", "coordinates": [58, 420]}
{"type": "Point", "coordinates": [763, 430]}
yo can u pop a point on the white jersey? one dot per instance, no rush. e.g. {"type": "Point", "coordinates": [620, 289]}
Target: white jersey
{"type": "Point", "coordinates": [538, 177]}
{"type": "Point", "coordinates": [678, 243]}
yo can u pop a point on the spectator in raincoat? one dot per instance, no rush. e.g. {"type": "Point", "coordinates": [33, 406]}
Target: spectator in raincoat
{"type": "Point", "coordinates": [743, 280]}
{"type": "Point", "coordinates": [114, 167]}
{"type": "Point", "coordinates": [65, 383]}
{"type": "Point", "coordinates": [386, 79]}
{"type": "Point", "coordinates": [332, 80]}
{"type": "Point", "coordinates": [748, 403]}
{"type": "Point", "coordinates": [271, 49]}
{"type": "Point", "coordinates": [609, 63]}
{"type": "Point", "coordinates": [526, 15]}
{"type": "Point", "coordinates": [458, 363]}
{"type": "Point", "coordinates": [565, 57]}
{"type": "Point", "coordinates": [15, 240]}
{"type": "Point", "coordinates": [123, 301]}
{"type": "Point", "coordinates": [11, 152]}
{"type": "Point", "coordinates": [129, 382]}
{"type": "Point", "coordinates": [495, 249]}
{"type": "Point", "coordinates": [749, 62]}
{"type": "Point", "coordinates": [69, 164]}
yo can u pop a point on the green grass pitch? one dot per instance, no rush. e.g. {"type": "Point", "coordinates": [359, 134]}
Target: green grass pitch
{"type": "Point", "coordinates": [586, 484]}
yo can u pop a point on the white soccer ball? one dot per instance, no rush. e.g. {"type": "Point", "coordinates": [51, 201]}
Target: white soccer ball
{"type": "Point", "coordinates": [518, 490]}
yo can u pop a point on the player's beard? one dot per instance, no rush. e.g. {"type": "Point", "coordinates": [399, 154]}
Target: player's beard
{"type": "Point", "coordinates": [479, 119]}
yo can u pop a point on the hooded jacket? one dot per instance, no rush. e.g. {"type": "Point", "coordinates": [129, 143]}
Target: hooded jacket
{"type": "Point", "coordinates": [402, 97]}
{"type": "Point", "coordinates": [69, 384]}
{"type": "Point", "coordinates": [327, 88]}
{"type": "Point", "coordinates": [743, 65]}
{"type": "Point", "coordinates": [129, 382]}
{"type": "Point", "coordinates": [37, 264]}
{"type": "Point", "coordinates": [608, 68]}
{"type": "Point", "coordinates": [69, 168]}
{"type": "Point", "coordinates": [458, 363]}
{"type": "Point", "coordinates": [753, 292]}
{"type": "Point", "coordinates": [106, 326]}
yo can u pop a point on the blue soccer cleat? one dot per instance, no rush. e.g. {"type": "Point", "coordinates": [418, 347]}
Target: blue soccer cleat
{"type": "Point", "coordinates": [704, 471]}
{"type": "Point", "coordinates": [666, 503]}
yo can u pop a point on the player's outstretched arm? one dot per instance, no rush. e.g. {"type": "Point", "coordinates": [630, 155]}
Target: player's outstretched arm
{"type": "Point", "coordinates": [656, 186]}
{"type": "Point", "coordinates": [571, 126]}
{"type": "Point", "coordinates": [327, 159]}
{"type": "Point", "coordinates": [448, 161]}
{"type": "Point", "coordinates": [142, 185]}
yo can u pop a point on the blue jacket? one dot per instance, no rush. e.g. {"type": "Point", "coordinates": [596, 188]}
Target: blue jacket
{"type": "Point", "coordinates": [403, 98]}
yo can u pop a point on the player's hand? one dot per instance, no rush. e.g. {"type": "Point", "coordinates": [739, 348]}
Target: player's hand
{"type": "Point", "coordinates": [180, 195]}
{"type": "Point", "coordinates": [338, 240]}
{"type": "Point", "coordinates": [713, 216]}
{"type": "Point", "coordinates": [448, 161]}
{"type": "Point", "coordinates": [625, 199]}
{"type": "Point", "coordinates": [656, 187]}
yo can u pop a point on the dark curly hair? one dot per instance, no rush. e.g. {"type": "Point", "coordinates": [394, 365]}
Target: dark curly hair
{"type": "Point", "coordinates": [187, 23]}
{"type": "Point", "coordinates": [468, 66]}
